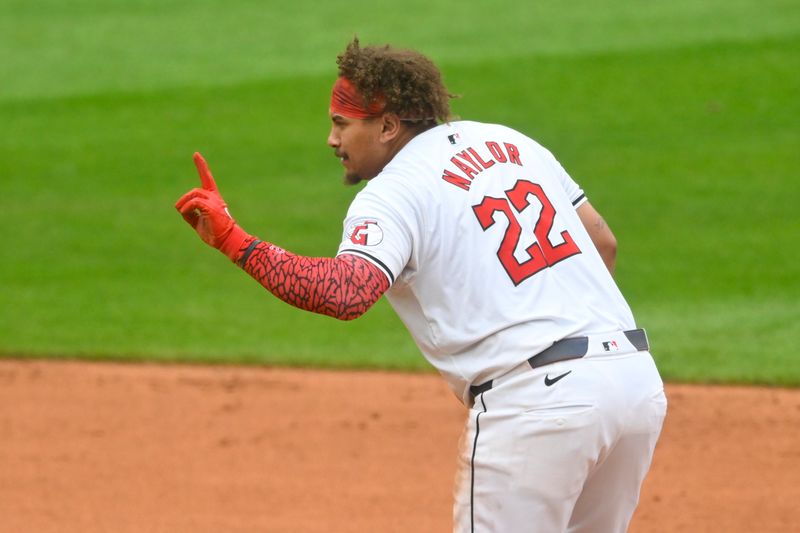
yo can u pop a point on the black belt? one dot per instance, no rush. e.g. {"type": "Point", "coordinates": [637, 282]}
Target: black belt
{"type": "Point", "coordinates": [566, 349]}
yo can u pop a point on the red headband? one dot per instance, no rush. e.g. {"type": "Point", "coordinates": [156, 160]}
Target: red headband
{"type": "Point", "coordinates": [348, 102]}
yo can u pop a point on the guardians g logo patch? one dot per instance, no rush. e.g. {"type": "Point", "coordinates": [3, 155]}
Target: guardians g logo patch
{"type": "Point", "coordinates": [365, 232]}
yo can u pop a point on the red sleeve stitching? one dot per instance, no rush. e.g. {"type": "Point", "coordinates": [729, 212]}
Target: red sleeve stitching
{"type": "Point", "coordinates": [343, 287]}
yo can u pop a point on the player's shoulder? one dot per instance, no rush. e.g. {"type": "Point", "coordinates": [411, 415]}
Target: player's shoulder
{"type": "Point", "coordinates": [395, 184]}
{"type": "Point", "coordinates": [468, 131]}
{"type": "Point", "coordinates": [419, 164]}
{"type": "Point", "coordinates": [431, 147]}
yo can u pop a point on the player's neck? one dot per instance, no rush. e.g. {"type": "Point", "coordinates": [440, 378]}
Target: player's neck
{"type": "Point", "coordinates": [407, 132]}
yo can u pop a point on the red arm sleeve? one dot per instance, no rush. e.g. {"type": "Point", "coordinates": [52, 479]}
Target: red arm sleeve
{"type": "Point", "coordinates": [343, 287]}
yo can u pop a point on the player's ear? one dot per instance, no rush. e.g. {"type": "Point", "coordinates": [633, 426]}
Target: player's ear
{"type": "Point", "coordinates": [390, 126]}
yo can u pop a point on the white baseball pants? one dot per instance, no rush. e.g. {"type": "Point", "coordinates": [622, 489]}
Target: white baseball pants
{"type": "Point", "coordinates": [565, 457]}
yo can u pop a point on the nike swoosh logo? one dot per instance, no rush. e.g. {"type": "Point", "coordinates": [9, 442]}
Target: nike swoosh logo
{"type": "Point", "coordinates": [549, 382]}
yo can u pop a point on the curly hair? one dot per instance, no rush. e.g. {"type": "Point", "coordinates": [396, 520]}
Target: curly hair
{"type": "Point", "coordinates": [410, 84]}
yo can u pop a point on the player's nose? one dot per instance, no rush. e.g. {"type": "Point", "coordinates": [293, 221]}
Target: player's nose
{"type": "Point", "coordinates": [334, 141]}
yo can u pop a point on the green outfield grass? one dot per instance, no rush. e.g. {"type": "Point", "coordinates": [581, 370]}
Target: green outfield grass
{"type": "Point", "coordinates": [681, 121]}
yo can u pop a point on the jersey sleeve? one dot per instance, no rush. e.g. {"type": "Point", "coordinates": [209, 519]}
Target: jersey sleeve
{"type": "Point", "coordinates": [573, 190]}
{"type": "Point", "coordinates": [380, 226]}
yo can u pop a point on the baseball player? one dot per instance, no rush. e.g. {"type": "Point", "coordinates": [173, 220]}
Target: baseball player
{"type": "Point", "coordinates": [501, 270]}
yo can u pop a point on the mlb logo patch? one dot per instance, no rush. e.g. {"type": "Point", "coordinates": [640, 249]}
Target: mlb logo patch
{"type": "Point", "coordinates": [610, 346]}
{"type": "Point", "coordinates": [454, 139]}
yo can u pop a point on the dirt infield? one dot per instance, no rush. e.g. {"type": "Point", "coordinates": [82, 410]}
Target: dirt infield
{"type": "Point", "coordinates": [147, 448]}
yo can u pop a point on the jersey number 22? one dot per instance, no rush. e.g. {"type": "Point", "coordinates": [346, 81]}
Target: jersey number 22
{"type": "Point", "coordinates": [542, 252]}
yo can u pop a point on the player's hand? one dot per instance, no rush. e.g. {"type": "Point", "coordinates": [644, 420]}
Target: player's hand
{"type": "Point", "coordinates": [205, 210]}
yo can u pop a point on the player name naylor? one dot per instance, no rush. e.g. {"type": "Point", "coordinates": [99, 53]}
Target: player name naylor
{"type": "Point", "coordinates": [470, 162]}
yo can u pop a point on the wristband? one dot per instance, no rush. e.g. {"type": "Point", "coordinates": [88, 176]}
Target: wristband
{"type": "Point", "coordinates": [243, 260]}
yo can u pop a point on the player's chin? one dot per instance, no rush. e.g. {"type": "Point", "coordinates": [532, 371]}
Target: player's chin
{"type": "Point", "coordinates": [351, 179]}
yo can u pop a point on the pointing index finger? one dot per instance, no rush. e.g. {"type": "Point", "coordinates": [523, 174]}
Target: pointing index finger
{"type": "Point", "coordinates": [205, 174]}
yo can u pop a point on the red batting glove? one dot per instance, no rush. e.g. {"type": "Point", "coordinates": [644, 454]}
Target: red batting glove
{"type": "Point", "coordinates": [206, 211]}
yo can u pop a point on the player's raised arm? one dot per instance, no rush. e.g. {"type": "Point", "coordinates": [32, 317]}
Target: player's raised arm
{"type": "Point", "coordinates": [344, 287]}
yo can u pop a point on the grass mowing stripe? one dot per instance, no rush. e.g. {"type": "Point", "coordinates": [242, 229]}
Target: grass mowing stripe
{"type": "Point", "coordinates": [52, 48]}
{"type": "Point", "coordinates": [734, 340]}
{"type": "Point", "coordinates": [103, 266]}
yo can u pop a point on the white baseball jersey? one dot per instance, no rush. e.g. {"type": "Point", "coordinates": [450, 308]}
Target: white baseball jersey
{"type": "Point", "coordinates": [475, 227]}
